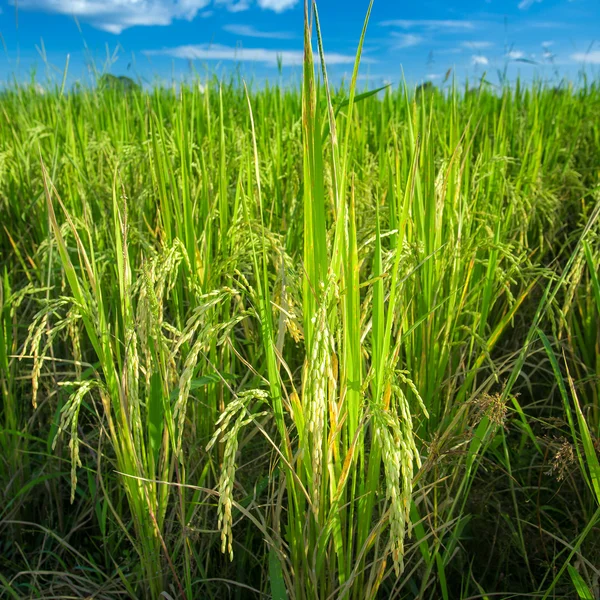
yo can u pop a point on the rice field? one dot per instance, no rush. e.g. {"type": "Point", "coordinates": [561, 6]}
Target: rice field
{"type": "Point", "coordinates": [312, 342]}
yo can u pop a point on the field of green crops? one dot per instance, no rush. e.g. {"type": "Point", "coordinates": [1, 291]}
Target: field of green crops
{"type": "Point", "coordinates": [300, 343]}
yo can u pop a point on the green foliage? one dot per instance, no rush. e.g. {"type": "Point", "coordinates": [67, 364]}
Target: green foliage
{"type": "Point", "coordinates": [121, 83]}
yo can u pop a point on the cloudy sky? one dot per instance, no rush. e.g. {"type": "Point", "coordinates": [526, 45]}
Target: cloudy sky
{"type": "Point", "coordinates": [153, 39]}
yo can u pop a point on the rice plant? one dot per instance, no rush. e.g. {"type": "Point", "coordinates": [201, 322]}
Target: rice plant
{"type": "Point", "coordinates": [300, 342]}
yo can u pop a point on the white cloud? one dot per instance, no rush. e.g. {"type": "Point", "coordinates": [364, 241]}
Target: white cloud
{"type": "Point", "coordinates": [235, 7]}
{"type": "Point", "coordinates": [432, 76]}
{"type": "Point", "coordinates": [548, 43]}
{"type": "Point", "coordinates": [406, 40]}
{"type": "Point", "coordinates": [289, 58]}
{"type": "Point", "coordinates": [116, 15]}
{"type": "Point", "coordinates": [592, 57]}
{"type": "Point", "coordinates": [477, 45]}
{"type": "Point", "coordinates": [430, 24]}
{"type": "Point", "coordinates": [480, 60]}
{"type": "Point", "coordinates": [251, 31]}
{"type": "Point", "coordinates": [525, 4]}
{"type": "Point", "coordinates": [277, 5]}
{"type": "Point", "coordinates": [515, 54]}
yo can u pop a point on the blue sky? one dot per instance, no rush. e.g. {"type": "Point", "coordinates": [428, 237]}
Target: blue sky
{"type": "Point", "coordinates": [153, 39]}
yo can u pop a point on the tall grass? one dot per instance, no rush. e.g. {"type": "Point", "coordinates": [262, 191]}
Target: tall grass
{"type": "Point", "coordinates": [305, 343]}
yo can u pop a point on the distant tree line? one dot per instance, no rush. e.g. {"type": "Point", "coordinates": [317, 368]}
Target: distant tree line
{"type": "Point", "coordinates": [123, 83]}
